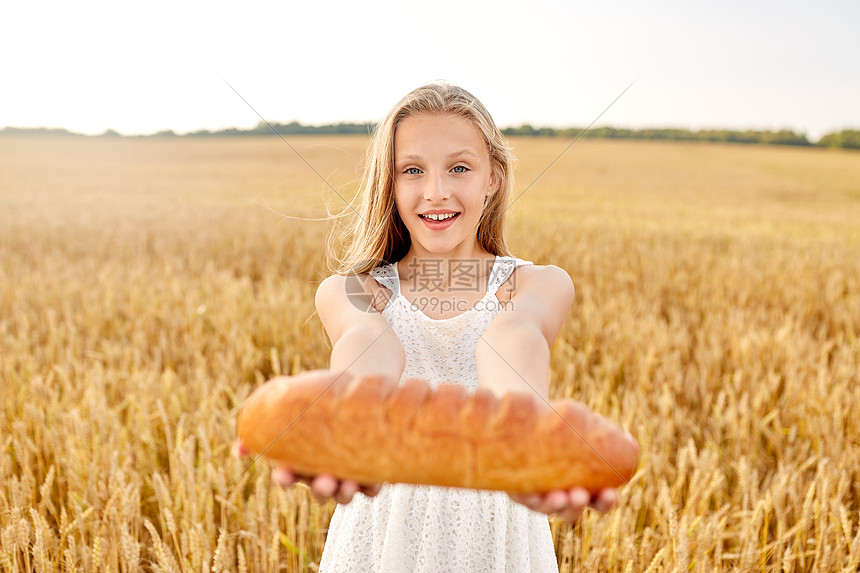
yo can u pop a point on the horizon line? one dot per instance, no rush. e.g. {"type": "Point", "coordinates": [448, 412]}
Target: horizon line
{"type": "Point", "coordinates": [369, 125]}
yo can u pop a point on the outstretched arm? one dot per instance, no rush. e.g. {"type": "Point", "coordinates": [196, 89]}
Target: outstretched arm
{"type": "Point", "coordinates": [513, 356]}
{"type": "Point", "coordinates": [362, 343]}
{"type": "Point", "coordinates": [513, 353]}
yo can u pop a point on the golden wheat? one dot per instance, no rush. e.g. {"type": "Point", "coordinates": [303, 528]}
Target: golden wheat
{"type": "Point", "coordinates": [149, 285]}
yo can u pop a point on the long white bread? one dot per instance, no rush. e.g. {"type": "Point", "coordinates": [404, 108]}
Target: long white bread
{"type": "Point", "coordinates": [372, 430]}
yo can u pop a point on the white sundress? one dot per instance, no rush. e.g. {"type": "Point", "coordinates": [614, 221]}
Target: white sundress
{"type": "Point", "coordinates": [430, 529]}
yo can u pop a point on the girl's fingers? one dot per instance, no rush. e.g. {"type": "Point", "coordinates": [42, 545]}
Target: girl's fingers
{"type": "Point", "coordinates": [552, 502]}
{"type": "Point", "coordinates": [347, 489]}
{"type": "Point", "coordinates": [324, 486]}
{"type": "Point", "coordinates": [370, 490]}
{"type": "Point", "coordinates": [568, 504]}
{"type": "Point", "coordinates": [605, 500]}
{"type": "Point", "coordinates": [239, 449]}
{"type": "Point", "coordinates": [579, 498]}
{"type": "Point", "coordinates": [530, 500]}
{"type": "Point", "coordinates": [571, 514]}
{"type": "Point", "coordinates": [283, 477]}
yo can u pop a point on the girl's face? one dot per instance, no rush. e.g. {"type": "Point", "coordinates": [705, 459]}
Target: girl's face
{"type": "Point", "coordinates": [442, 175]}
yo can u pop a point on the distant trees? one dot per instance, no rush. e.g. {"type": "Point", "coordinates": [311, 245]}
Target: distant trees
{"type": "Point", "coordinates": [847, 138]}
{"type": "Point", "coordinates": [292, 128]}
{"type": "Point", "coordinates": [782, 137]}
{"type": "Point", "coordinates": [37, 132]}
{"type": "Point", "coordinates": [527, 129]}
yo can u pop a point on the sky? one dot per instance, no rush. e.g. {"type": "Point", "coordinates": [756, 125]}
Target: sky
{"type": "Point", "coordinates": [139, 68]}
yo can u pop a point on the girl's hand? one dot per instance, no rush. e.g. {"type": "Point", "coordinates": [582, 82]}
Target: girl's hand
{"type": "Point", "coordinates": [323, 486]}
{"type": "Point", "coordinates": [570, 503]}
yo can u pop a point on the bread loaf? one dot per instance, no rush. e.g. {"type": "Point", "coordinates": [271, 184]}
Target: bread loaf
{"type": "Point", "coordinates": [372, 430]}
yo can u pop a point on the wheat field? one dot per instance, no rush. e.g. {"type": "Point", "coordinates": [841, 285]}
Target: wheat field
{"type": "Point", "coordinates": [148, 285]}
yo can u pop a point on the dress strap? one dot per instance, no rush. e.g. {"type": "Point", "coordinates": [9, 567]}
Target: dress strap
{"type": "Point", "coordinates": [386, 275]}
{"type": "Point", "coordinates": [502, 270]}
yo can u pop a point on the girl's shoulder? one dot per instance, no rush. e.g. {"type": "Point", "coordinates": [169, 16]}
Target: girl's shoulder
{"type": "Point", "coordinates": [543, 280]}
{"type": "Point", "coordinates": [361, 291]}
{"type": "Point", "coordinates": [551, 275]}
{"type": "Point", "coordinates": [541, 295]}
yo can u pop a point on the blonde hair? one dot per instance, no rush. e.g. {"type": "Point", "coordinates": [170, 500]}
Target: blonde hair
{"type": "Point", "coordinates": [374, 234]}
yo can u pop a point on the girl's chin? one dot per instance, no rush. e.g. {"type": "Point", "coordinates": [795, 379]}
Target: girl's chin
{"type": "Point", "coordinates": [443, 248]}
{"type": "Point", "coordinates": [448, 242]}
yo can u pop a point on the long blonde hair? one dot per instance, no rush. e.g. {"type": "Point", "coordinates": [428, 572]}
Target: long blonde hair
{"type": "Point", "coordinates": [374, 233]}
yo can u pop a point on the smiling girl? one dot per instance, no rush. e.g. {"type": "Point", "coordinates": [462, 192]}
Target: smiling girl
{"type": "Point", "coordinates": [443, 301]}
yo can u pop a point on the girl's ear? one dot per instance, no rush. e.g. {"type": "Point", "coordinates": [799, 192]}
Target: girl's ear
{"type": "Point", "coordinates": [495, 182]}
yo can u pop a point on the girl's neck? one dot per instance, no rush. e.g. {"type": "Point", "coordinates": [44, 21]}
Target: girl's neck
{"type": "Point", "coordinates": [472, 253]}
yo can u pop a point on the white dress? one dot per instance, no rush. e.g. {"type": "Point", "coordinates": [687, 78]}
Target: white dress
{"type": "Point", "coordinates": [418, 528]}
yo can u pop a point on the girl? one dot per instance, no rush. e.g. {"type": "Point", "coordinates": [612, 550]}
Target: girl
{"type": "Point", "coordinates": [427, 288]}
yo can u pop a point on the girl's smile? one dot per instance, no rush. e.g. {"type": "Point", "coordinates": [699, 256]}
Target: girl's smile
{"type": "Point", "coordinates": [438, 220]}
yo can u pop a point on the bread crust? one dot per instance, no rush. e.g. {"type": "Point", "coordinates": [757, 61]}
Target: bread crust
{"type": "Point", "coordinates": [372, 430]}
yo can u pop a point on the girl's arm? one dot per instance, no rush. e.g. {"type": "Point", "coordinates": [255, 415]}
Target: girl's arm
{"type": "Point", "coordinates": [362, 340]}
{"type": "Point", "coordinates": [513, 353]}
{"type": "Point", "coordinates": [362, 343]}
{"type": "Point", "coordinates": [513, 356]}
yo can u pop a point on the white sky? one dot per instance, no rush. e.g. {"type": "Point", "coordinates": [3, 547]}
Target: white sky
{"type": "Point", "coordinates": [139, 68]}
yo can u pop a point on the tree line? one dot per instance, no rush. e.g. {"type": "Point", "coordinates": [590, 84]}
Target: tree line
{"type": "Point", "coordinates": [845, 139]}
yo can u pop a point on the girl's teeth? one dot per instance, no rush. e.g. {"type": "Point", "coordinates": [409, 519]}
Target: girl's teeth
{"type": "Point", "coordinates": [440, 217]}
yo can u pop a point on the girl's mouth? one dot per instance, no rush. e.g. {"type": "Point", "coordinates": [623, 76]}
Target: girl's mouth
{"type": "Point", "coordinates": [438, 221]}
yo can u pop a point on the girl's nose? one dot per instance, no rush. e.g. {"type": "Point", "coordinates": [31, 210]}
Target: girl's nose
{"type": "Point", "coordinates": [435, 189]}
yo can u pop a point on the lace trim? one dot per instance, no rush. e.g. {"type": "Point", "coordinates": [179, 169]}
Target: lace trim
{"type": "Point", "coordinates": [386, 275]}
{"type": "Point", "coordinates": [503, 267]}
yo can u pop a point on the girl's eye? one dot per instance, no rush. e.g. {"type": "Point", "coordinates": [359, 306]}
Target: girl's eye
{"type": "Point", "coordinates": [460, 169]}
{"type": "Point", "coordinates": [412, 171]}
